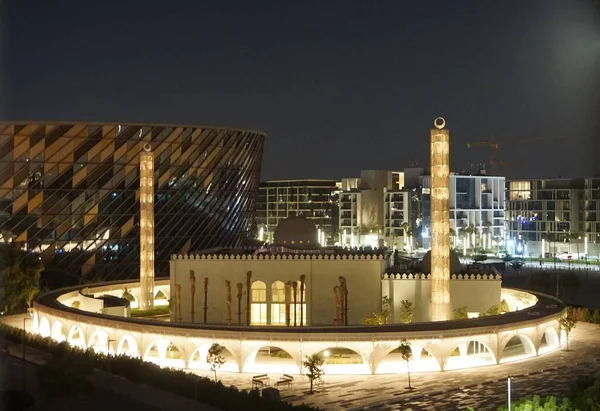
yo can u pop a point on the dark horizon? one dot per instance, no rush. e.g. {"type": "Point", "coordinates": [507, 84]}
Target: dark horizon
{"type": "Point", "coordinates": [338, 87]}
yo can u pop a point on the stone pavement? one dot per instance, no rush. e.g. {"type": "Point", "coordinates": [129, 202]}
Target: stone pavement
{"type": "Point", "coordinates": [483, 388]}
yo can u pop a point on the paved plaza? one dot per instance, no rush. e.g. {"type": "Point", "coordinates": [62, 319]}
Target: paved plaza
{"type": "Point", "coordinates": [483, 388]}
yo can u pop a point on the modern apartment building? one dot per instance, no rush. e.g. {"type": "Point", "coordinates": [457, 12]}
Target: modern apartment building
{"type": "Point", "coordinates": [540, 206]}
{"type": "Point", "coordinates": [373, 208]}
{"type": "Point", "coordinates": [316, 200]}
{"type": "Point", "coordinates": [559, 215]}
{"type": "Point", "coordinates": [476, 200]}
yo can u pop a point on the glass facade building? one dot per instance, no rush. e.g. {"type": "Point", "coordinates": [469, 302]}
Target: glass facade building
{"type": "Point", "coordinates": [71, 192]}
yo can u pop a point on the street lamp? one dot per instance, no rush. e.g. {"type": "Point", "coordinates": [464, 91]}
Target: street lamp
{"type": "Point", "coordinates": [509, 393]}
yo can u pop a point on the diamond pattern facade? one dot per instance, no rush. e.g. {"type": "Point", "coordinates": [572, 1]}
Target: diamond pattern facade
{"type": "Point", "coordinates": [71, 192]}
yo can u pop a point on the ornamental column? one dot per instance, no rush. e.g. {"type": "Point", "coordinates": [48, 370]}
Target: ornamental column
{"type": "Point", "coordinates": [147, 229]}
{"type": "Point", "coordinates": [440, 221]}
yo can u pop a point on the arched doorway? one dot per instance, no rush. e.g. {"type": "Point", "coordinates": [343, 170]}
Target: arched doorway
{"type": "Point", "coordinates": [128, 346]}
{"type": "Point", "coordinates": [165, 353]}
{"type": "Point", "coordinates": [517, 348]}
{"type": "Point", "coordinates": [470, 354]}
{"type": "Point", "coordinates": [421, 361]}
{"type": "Point", "coordinates": [549, 341]}
{"type": "Point", "coordinates": [198, 360]}
{"type": "Point", "coordinates": [99, 341]}
{"type": "Point", "coordinates": [76, 337]}
{"type": "Point", "coordinates": [57, 332]}
{"type": "Point", "coordinates": [341, 360]}
{"type": "Point", "coordinates": [278, 316]}
{"type": "Point", "coordinates": [160, 299]}
{"type": "Point", "coordinates": [259, 303]}
{"type": "Point", "coordinates": [45, 327]}
{"type": "Point", "coordinates": [271, 359]}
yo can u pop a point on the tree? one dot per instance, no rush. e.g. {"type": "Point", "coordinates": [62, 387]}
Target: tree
{"type": "Point", "coordinates": [21, 275]}
{"type": "Point", "coordinates": [467, 231]}
{"type": "Point", "coordinates": [567, 323]}
{"type": "Point", "coordinates": [314, 366]}
{"type": "Point", "coordinates": [382, 317]}
{"type": "Point", "coordinates": [407, 311]}
{"type": "Point", "coordinates": [460, 313]}
{"type": "Point", "coordinates": [575, 235]}
{"type": "Point", "coordinates": [215, 357]}
{"type": "Point", "coordinates": [406, 353]}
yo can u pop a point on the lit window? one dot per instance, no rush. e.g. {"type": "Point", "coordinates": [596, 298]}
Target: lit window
{"type": "Point", "coordinates": [259, 303]}
{"type": "Point", "coordinates": [278, 303]}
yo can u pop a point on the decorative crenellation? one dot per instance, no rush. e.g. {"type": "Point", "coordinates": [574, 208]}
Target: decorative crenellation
{"type": "Point", "coordinates": [378, 257]}
{"type": "Point", "coordinates": [422, 276]}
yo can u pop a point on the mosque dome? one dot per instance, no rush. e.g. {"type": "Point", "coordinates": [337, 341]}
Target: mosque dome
{"type": "Point", "coordinates": [455, 266]}
{"type": "Point", "coordinates": [296, 232]}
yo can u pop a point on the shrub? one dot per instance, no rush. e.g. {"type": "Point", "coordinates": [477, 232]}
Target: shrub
{"type": "Point", "coordinates": [17, 400]}
{"type": "Point", "coordinates": [76, 361]}
{"type": "Point", "coordinates": [596, 316]}
{"type": "Point", "coordinates": [579, 313]}
{"type": "Point", "coordinates": [588, 316]}
{"type": "Point", "coordinates": [461, 313]}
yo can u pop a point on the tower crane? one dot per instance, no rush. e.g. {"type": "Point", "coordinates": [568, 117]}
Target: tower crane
{"type": "Point", "coordinates": [494, 145]}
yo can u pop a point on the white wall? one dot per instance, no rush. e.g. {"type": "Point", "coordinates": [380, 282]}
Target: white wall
{"type": "Point", "coordinates": [363, 278]}
{"type": "Point", "coordinates": [118, 311]}
{"type": "Point", "coordinates": [478, 295]}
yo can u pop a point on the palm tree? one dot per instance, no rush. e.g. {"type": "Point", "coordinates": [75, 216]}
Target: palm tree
{"type": "Point", "coordinates": [467, 231]}
{"type": "Point", "coordinates": [487, 225]}
{"type": "Point", "coordinates": [406, 227]}
{"type": "Point", "coordinates": [453, 236]}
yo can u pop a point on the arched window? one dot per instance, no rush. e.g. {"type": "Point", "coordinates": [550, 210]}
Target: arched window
{"type": "Point", "coordinates": [278, 303]}
{"type": "Point", "coordinates": [259, 303]}
{"type": "Point", "coordinates": [298, 310]}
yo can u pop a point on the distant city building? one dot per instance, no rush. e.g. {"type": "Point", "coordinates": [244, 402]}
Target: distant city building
{"type": "Point", "coordinates": [373, 209]}
{"type": "Point", "coordinates": [314, 199]}
{"type": "Point", "coordinates": [393, 207]}
{"type": "Point", "coordinates": [477, 209]}
{"type": "Point", "coordinates": [70, 191]}
{"type": "Point", "coordinates": [563, 213]}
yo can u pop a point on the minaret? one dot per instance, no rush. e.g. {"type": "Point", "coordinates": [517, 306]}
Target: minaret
{"type": "Point", "coordinates": [440, 221]}
{"type": "Point", "coordinates": [147, 229]}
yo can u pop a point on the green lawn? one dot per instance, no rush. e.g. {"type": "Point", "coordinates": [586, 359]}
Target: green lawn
{"type": "Point", "coordinates": [163, 310]}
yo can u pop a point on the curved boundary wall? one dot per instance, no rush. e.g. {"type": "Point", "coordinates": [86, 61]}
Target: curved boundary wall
{"type": "Point", "coordinates": [437, 346]}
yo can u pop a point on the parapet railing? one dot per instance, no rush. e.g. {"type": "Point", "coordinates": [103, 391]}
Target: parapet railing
{"type": "Point", "coordinates": [546, 307]}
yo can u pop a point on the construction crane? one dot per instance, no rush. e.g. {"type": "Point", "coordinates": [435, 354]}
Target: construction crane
{"type": "Point", "coordinates": [494, 145]}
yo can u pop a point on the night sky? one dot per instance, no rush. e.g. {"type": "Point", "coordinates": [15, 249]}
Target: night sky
{"type": "Point", "coordinates": [338, 86]}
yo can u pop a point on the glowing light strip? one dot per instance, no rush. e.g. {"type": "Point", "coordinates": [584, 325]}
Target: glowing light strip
{"type": "Point", "coordinates": [440, 224]}
{"type": "Point", "coordinates": [146, 229]}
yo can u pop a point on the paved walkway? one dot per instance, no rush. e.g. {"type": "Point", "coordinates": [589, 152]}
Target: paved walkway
{"type": "Point", "coordinates": [483, 388]}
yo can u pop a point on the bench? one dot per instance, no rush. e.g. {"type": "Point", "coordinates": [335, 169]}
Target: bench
{"type": "Point", "coordinates": [285, 380]}
{"type": "Point", "coordinates": [259, 381]}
